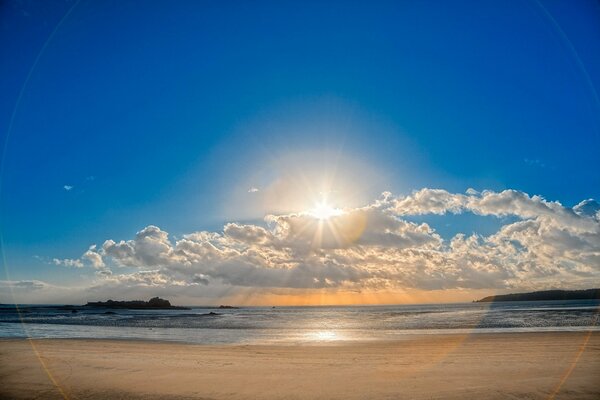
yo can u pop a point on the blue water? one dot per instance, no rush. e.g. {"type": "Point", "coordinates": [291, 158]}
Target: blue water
{"type": "Point", "coordinates": [298, 324]}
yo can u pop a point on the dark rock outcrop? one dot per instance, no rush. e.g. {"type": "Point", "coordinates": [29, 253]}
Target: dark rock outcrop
{"type": "Point", "coordinates": [155, 303]}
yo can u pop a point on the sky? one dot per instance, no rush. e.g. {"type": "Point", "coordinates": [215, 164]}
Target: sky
{"type": "Point", "coordinates": [298, 152]}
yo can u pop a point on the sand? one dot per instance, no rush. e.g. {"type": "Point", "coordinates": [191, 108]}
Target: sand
{"type": "Point", "coordinates": [478, 366]}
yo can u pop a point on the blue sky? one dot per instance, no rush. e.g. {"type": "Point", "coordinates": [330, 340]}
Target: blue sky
{"type": "Point", "coordinates": [167, 113]}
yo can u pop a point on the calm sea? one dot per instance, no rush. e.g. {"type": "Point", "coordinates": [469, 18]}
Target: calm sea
{"type": "Point", "coordinates": [298, 324]}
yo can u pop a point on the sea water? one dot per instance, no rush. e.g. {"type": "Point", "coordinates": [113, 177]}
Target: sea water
{"type": "Point", "coordinates": [248, 325]}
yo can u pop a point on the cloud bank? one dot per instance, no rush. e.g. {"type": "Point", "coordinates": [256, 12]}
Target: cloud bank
{"type": "Point", "coordinates": [375, 247]}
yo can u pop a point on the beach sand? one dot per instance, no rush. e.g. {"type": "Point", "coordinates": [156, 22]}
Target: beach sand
{"type": "Point", "coordinates": [478, 366]}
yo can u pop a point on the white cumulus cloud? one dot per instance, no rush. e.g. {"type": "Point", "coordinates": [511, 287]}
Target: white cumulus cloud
{"type": "Point", "coordinates": [370, 247]}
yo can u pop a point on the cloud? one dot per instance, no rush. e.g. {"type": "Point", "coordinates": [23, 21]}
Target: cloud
{"type": "Point", "coordinates": [551, 214]}
{"type": "Point", "coordinates": [588, 208]}
{"type": "Point", "coordinates": [36, 292]}
{"type": "Point", "coordinates": [94, 258]}
{"type": "Point", "coordinates": [23, 285]}
{"type": "Point", "coordinates": [68, 188]}
{"type": "Point", "coordinates": [253, 190]}
{"type": "Point", "coordinates": [372, 247]}
{"type": "Point", "coordinates": [150, 247]}
{"type": "Point", "coordinates": [68, 262]}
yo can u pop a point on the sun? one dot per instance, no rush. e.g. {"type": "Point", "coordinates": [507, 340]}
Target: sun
{"type": "Point", "coordinates": [324, 211]}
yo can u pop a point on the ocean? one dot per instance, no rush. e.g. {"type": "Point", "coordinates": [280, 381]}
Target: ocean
{"type": "Point", "coordinates": [271, 325]}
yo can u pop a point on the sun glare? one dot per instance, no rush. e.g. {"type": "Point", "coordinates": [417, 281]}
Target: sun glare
{"type": "Point", "coordinates": [324, 211]}
{"type": "Point", "coordinates": [323, 336]}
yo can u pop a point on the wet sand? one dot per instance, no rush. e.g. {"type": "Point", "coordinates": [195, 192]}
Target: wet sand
{"type": "Point", "coordinates": [479, 366]}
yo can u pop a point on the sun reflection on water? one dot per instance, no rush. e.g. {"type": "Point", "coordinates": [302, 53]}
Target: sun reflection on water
{"type": "Point", "coordinates": [323, 336]}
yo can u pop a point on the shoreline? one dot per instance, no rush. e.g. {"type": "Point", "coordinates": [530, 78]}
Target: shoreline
{"type": "Point", "coordinates": [484, 366]}
{"type": "Point", "coordinates": [400, 336]}
{"type": "Point", "coordinates": [268, 337]}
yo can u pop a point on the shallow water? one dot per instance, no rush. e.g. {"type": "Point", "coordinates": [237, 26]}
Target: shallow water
{"type": "Point", "coordinates": [298, 324]}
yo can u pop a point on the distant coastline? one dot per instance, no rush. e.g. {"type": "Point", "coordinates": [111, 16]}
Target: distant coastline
{"type": "Point", "coordinates": [587, 294]}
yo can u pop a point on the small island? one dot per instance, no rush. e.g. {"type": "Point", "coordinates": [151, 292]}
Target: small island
{"type": "Point", "coordinates": [587, 294]}
{"type": "Point", "coordinates": [155, 303]}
